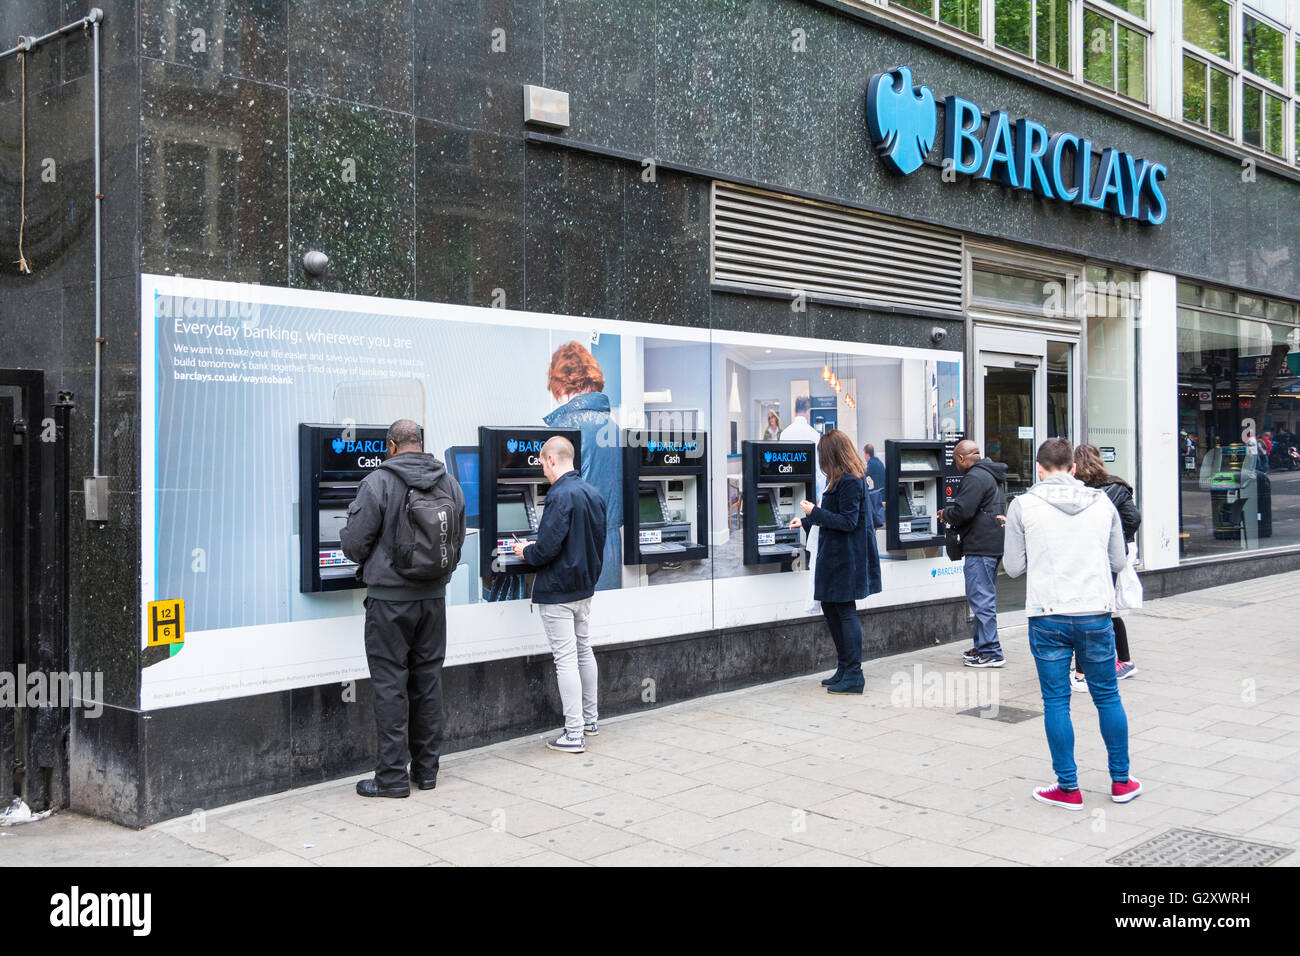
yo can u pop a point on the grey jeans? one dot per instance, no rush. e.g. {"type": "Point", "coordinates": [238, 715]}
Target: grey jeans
{"type": "Point", "coordinates": [575, 664]}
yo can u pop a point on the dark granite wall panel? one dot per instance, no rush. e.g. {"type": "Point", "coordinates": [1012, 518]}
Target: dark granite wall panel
{"type": "Point", "coordinates": [354, 50]}
{"type": "Point", "coordinates": [247, 40]}
{"type": "Point", "coordinates": [472, 58]}
{"type": "Point", "coordinates": [214, 157]}
{"type": "Point", "coordinates": [470, 215]}
{"type": "Point", "coordinates": [352, 195]}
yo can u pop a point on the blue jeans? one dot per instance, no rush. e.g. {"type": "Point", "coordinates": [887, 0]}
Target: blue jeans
{"type": "Point", "coordinates": [981, 574]}
{"type": "Point", "coordinates": [1053, 639]}
{"type": "Point", "coordinates": [846, 632]}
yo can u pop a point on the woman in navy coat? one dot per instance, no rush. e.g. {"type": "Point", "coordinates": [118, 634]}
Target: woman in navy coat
{"type": "Point", "coordinates": [848, 563]}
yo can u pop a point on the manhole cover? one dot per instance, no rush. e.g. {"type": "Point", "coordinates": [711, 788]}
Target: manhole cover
{"type": "Point", "coordinates": [1195, 848]}
{"type": "Point", "coordinates": [1004, 713]}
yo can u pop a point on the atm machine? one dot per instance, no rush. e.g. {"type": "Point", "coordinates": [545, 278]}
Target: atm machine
{"type": "Point", "coordinates": [512, 491]}
{"type": "Point", "coordinates": [914, 496]}
{"type": "Point", "coordinates": [667, 480]}
{"type": "Point", "coordinates": [776, 476]}
{"type": "Point", "coordinates": [332, 460]}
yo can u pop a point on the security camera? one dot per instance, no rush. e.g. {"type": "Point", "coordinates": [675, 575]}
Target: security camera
{"type": "Point", "coordinates": [315, 262]}
{"type": "Point", "coordinates": [938, 334]}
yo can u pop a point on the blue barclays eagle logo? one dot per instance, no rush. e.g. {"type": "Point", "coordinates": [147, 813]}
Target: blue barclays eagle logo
{"type": "Point", "coordinates": [511, 445]}
{"type": "Point", "coordinates": [901, 119]}
{"type": "Point", "coordinates": [338, 445]}
{"type": "Point", "coordinates": [767, 457]}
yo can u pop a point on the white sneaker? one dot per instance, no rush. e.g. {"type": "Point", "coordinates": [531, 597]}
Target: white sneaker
{"type": "Point", "coordinates": [590, 730]}
{"type": "Point", "coordinates": [1078, 682]}
{"type": "Point", "coordinates": [568, 744]}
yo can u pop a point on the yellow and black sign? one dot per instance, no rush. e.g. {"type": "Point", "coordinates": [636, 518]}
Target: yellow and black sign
{"type": "Point", "coordinates": [166, 622]}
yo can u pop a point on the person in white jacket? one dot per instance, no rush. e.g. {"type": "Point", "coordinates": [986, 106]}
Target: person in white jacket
{"type": "Point", "coordinates": [1069, 539]}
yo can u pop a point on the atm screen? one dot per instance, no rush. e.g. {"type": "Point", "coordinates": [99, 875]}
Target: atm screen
{"type": "Point", "coordinates": [331, 523]}
{"type": "Point", "coordinates": [512, 516]}
{"type": "Point", "coordinates": [466, 465]}
{"type": "Point", "coordinates": [649, 508]}
{"type": "Point", "coordinates": [904, 503]}
{"type": "Point", "coordinates": [766, 517]}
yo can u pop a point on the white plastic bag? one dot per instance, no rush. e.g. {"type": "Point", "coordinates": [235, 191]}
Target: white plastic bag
{"type": "Point", "coordinates": [814, 606]}
{"type": "Point", "coordinates": [1128, 587]}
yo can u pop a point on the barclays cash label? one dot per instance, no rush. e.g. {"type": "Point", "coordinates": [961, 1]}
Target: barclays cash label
{"type": "Point", "coordinates": [902, 120]}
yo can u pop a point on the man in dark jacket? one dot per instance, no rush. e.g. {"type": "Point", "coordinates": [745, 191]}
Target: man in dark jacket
{"type": "Point", "coordinates": [406, 621]}
{"type": "Point", "coordinates": [568, 554]}
{"type": "Point", "coordinates": [974, 514]}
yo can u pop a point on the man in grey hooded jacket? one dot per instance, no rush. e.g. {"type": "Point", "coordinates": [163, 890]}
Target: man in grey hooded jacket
{"type": "Point", "coordinates": [1069, 539]}
{"type": "Point", "coordinates": [406, 621]}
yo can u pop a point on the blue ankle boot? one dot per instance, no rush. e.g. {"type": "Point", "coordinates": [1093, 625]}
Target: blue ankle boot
{"type": "Point", "coordinates": [851, 682]}
{"type": "Point", "coordinates": [834, 678]}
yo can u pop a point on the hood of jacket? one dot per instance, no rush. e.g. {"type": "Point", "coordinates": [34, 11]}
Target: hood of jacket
{"type": "Point", "coordinates": [1066, 493]}
{"type": "Point", "coordinates": [418, 469]}
{"type": "Point", "coordinates": [998, 469]}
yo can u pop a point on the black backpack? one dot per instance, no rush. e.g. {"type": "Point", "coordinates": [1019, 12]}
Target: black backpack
{"type": "Point", "coordinates": [430, 531]}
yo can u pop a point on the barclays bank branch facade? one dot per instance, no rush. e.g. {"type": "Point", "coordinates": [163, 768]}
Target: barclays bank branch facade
{"type": "Point", "coordinates": [926, 217]}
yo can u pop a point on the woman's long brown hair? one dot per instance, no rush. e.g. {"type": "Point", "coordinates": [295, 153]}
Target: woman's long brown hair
{"type": "Point", "coordinates": [1091, 470]}
{"type": "Point", "coordinates": [837, 457]}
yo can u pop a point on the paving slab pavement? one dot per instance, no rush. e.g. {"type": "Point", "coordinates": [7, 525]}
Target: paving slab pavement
{"type": "Point", "coordinates": [919, 771]}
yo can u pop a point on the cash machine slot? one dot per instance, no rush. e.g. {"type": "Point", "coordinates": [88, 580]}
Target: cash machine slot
{"type": "Point", "coordinates": [915, 474]}
{"type": "Point", "coordinates": [512, 491]}
{"type": "Point", "coordinates": [665, 513]}
{"type": "Point", "coordinates": [776, 476]}
{"type": "Point", "coordinates": [333, 459]}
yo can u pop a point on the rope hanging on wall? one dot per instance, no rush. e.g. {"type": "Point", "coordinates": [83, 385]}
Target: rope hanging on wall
{"type": "Point", "coordinates": [23, 267]}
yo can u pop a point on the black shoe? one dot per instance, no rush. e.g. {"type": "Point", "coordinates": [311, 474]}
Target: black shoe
{"type": "Point", "coordinates": [368, 788]}
{"type": "Point", "coordinates": [426, 784]}
{"type": "Point", "coordinates": [969, 654]}
{"type": "Point", "coordinates": [984, 661]}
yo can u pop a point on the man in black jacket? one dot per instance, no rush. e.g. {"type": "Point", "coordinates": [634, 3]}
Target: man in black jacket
{"type": "Point", "coordinates": [974, 514]}
{"type": "Point", "coordinates": [406, 621]}
{"type": "Point", "coordinates": [568, 554]}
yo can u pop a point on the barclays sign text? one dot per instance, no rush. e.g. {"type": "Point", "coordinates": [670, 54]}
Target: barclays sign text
{"type": "Point", "coordinates": [902, 120]}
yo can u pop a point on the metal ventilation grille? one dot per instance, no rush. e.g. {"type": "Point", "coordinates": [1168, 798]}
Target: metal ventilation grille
{"type": "Point", "coordinates": [763, 240]}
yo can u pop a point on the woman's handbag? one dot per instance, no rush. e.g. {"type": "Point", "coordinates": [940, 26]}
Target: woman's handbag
{"type": "Point", "coordinates": [1128, 587]}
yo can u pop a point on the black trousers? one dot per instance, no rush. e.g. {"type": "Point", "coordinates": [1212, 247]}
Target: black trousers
{"type": "Point", "coordinates": [406, 642]}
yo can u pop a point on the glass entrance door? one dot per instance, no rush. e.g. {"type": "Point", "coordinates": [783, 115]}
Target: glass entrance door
{"type": "Point", "coordinates": [1025, 392]}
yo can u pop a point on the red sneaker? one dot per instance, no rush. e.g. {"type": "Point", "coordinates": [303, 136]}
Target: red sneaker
{"type": "Point", "coordinates": [1126, 791]}
{"type": "Point", "coordinates": [1056, 797]}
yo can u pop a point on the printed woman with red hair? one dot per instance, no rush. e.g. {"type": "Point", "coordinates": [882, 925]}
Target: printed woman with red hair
{"type": "Point", "coordinates": [576, 382]}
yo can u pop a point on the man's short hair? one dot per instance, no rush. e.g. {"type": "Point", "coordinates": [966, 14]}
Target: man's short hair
{"type": "Point", "coordinates": [560, 447]}
{"type": "Point", "coordinates": [404, 433]}
{"type": "Point", "coordinates": [870, 450]}
{"type": "Point", "coordinates": [1056, 454]}
{"type": "Point", "coordinates": [802, 404]}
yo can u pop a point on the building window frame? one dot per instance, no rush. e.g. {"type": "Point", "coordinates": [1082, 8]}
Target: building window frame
{"type": "Point", "coordinates": [1241, 78]}
{"type": "Point", "coordinates": [1119, 18]}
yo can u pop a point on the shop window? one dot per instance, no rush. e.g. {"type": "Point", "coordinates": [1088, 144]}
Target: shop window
{"type": "Point", "coordinates": [1114, 55]}
{"type": "Point", "coordinates": [1113, 302]}
{"type": "Point", "coordinates": [1239, 415]}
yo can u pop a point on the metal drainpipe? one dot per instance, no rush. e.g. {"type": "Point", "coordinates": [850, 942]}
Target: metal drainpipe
{"type": "Point", "coordinates": [96, 487]}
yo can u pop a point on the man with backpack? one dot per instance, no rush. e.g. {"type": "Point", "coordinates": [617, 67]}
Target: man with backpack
{"type": "Point", "coordinates": [568, 554]}
{"type": "Point", "coordinates": [405, 531]}
{"type": "Point", "coordinates": [974, 514]}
